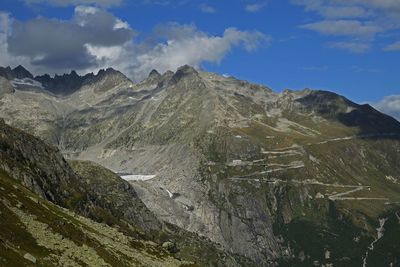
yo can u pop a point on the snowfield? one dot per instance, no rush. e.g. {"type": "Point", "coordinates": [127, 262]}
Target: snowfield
{"type": "Point", "coordinates": [137, 177]}
{"type": "Point", "coordinates": [27, 82]}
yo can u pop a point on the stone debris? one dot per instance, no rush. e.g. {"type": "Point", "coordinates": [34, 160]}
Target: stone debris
{"type": "Point", "coordinates": [170, 246]}
{"type": "Point", "coordinates": [29, 257]}
{"type": "Point", "coordinates": [327, 254]}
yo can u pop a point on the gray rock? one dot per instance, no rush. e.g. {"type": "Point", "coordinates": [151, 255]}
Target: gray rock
{"type": "Point", "coordinates": [170, 246]}
{"type": "Point", "coordinates": [5, 87]}
{"type": "Point", "coordinates": [29, 257]}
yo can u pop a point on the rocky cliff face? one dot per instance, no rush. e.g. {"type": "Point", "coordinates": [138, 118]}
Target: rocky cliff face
{"type": "Point", "coordinates": [18, 72]}
{"type": "Point", "coordinates": [42, 169]}
{"type": "Point", "coordinates": [297, 177]}
{"type": "Point", "coordinates": [36, 181]}
{"type": "Point", "coordinates": [5, 87]}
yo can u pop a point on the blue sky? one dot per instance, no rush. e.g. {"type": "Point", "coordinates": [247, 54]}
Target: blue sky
{"type": "Point", "coordinates": [350, 47]}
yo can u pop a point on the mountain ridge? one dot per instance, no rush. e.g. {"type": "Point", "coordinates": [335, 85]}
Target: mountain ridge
{"type": "Point", "coordinates": [234, 161]}
{"type": "Point", "coordinates": [62, 85]}
{"type": "Point", "coordinates": [56, 84]}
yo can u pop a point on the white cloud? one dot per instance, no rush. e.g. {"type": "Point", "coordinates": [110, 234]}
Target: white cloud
{"type": "Point", "coordinates": [393, 47]}
{"type": "Point", "coordinates": [255, 7]}
{"type": "Point", "coordinates": [343, 12]}
{"type": "Point", "coordinates": [86, 10]}
{"type": "Point", "coordinates": [102, 3]}
{"type": "Point", "coordinates": [119, 24]}
{"type": "Point", "coordinates": [314, 68]}
{"type": "Point", "coordinates": [5, 21]}
{"type": "Point", "coordinates": [361, 69]}
{"type": "Point", "coordinates": [390, 105]}
{"type": "Point", "coordinates": [94, 39]}
{"type": "Point", "coordinates": [193, 47]}
{"type": "Point", "coordinates": [354, 19]}
{"type": "Point", "coordinates": [333, 9]}
{"type": "Point", "coordinates": [205, 8]}
{"type": "Point", "coordinates": [393, 5]}
{"type": "Point", "coordinates": [5, 58]}
{"type": "Point", "coordinates": [343, 28]}
{"type": "Point", "coordinates": [354, 47]}
{"type": "Point", "coordinates": [351, 8]}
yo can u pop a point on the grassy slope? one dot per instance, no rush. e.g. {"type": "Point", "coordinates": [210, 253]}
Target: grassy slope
{"type": "Point", "coordinates": [57, 237]}
{"type": "Point", "coordinates": [312, 226]}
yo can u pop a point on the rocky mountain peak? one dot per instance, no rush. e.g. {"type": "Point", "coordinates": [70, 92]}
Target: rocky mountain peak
{"type": "Point", "coordinates": [20, 72]}
{"type": "Point", "coordinates": [168, 73]}
{"type": "Point", "coordinates": [110, 72]}
{"type": "Point", "coordinates": [106, 71]}
{"type": "Point", "coordinates": [154, 74]}
{"type": "Point", "coordinates": [62, 84]}
{"type": "Point", "coordinates": [184, 71]}
{"type": "Point", "coordinates": [106, 79]}
{"type": "Point", "coordinates": [326, 102]}
{"type": "Point", "coordinates": [73, 73]}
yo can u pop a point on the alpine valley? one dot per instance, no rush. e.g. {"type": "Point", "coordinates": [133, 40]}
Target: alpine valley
{"type": "Point", "coordinates": [190, 168]}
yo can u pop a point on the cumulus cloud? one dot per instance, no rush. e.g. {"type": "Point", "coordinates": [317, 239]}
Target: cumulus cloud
{"type": "Point", "coordinates": [103, 3]}
{"type": "Point", "coordinates": [62, 44]}
{"type": "Point", "coordinates": [390, 105]}
{"type": "Point", "coordinates": [255, 7]}
{"type": "Point", "coordinates": [94, 38]}
{"type": "Point", "coordinates": [187, 45]}
{"type": "Point", "coordinates": [5, 57]}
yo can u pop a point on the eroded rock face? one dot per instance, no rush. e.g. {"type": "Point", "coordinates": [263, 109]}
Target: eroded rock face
{"type": "Point", "coordinates": [5, 87]}
{"type": "Point", "coordinates": [18, 72]}
{"type": "Point", "coordinates": [97, 193]}
{"type": "Point", "coordinates": [88, 189]}
{"type": "Point", "coordinates": [263, 174]}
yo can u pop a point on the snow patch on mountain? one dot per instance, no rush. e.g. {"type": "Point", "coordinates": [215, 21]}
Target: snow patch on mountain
{"type": "Point", "coordinates": [26, 82]}
{"type": "Point", "coordinates": [137, 177]}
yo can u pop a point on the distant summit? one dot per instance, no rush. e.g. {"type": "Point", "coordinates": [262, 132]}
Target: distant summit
{"type": "Point", "coordinates": [154, 74]}
{"type": "Point", "coordinates": [18, 72]}
{"type": "Point", "coordinates": [64, 84]}
{"type": "Point", "coordinates": [184, 71]}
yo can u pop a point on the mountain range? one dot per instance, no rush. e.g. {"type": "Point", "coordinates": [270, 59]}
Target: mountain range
{"type": "Point", "coordinates": [221, 171]}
